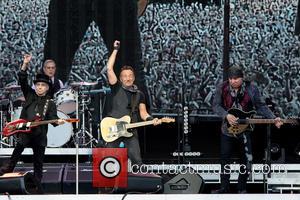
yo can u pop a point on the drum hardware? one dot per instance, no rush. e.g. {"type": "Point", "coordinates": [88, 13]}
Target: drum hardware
{"type": "Point", "coordinates": [14, 113]}
{"type": "Point", "coordinates": [97, 91]}
{"type": "Point", "coordinates": [12, 87]}
{"type": "Point", "coordinates": [1, 127]}
{"type": "Point", "coordinates": [82, 101]}
{"type": "Point", "coordinates": [83, 83]}
{"type": "Point", "coordinates": [4, 102]}
{"type": "Point", "coordinates": [103, 90]}
{"type": "Point", "coordinates": [83, 132]}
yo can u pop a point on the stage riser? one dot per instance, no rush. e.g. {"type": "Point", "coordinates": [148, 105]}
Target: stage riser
{"type": "Point", "coordinates": [60, 178]}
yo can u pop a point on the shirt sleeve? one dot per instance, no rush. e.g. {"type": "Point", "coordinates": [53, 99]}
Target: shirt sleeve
{"type": "Point", "coordinates": [217, 103]}
{"type": "Point", "coordinates": [115, 87]}
{"type": "Point", "coordinates": [142, 98]}
{"type": "Point", "coordinates": [22, 75]}
{"type": "Point", "coordinates": [260, 104]}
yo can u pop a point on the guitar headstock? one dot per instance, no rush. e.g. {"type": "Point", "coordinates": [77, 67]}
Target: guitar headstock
{"type": "Point", "coordinates": [167, 120]}
{"type": "Point", "coordinates": [72, 120]}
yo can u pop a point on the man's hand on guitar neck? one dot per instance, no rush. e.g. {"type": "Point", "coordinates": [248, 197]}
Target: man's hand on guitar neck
{"type": "Point", "coordinates": [156, 121]}
{"type": "Point", "coordinates": [232, 120]}
{"type": "Point", "coordinates": [278, 122]}
{"type": "Point", "coordinates": [60, 121]}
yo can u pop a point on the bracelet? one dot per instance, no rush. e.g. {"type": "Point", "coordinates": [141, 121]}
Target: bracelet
{"type": "Point", "coordinates": [149, 118]}
{"type": "Point", "coordinates": [117, 48]}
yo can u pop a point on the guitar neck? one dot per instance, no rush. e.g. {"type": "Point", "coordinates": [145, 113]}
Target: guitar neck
{"type": "Point", "coordinates": [38, 123]}
{"type": "Point", "coordinates": [138, 124]}
{"type": "Point", "coordinates": [262, 121]}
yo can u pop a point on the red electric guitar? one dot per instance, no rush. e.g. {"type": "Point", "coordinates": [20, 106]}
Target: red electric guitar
{"type": "Point", "coordinates": [24, 126]}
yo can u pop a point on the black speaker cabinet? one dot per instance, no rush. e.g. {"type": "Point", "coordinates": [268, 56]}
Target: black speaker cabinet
{"type": "Point", "coordinates": [142, 182]}
{"type": "Point", "coordinates": [19, 183]}
{"type": "Point", "coordinates": [187, 182]}
{"type": "Point", "coordinates": [136, 182]}
{"type": "Point", "coordinates": [52, 176]}
{"type": "Point", "coordinates": [85, 181]}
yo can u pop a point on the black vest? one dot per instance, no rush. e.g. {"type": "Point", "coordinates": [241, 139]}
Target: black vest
{"type": "Point", "coordinates": [121, 106]}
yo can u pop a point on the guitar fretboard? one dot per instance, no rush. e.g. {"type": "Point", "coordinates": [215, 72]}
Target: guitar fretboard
{"type": "Point", "coordinates": [265, 121]}
{"type": "Point", "coordinates": [138, 124]}
{"type": "Point", "coordinates": [43, 122]}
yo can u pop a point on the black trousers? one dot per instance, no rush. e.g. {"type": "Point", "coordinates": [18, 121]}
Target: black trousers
{"type": "Point", "coordinates": [227, 146]}
{"type": "Point", "coordinates": [38, 159]}
{"type": "Point", "coordinates": [68, 21]}
{"type": "Point", "coordinates": [132, 145]}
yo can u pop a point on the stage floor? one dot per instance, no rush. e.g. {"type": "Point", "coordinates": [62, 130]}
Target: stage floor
{"type": "Point", "coordinates": [156, 197]}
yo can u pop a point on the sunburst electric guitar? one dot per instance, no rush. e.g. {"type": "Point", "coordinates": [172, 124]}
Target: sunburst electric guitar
{"type": "Point", "coordinates": [245, 121]}
{"type": "Point", "coordinates": [112, 128]}
{"type": "Point", "coordinates": [24, 126]}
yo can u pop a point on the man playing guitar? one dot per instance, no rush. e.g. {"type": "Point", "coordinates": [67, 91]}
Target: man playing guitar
{"type": "Point", "coordinates": [126, 100]}
{"type": "Point", "coordinates": [237, 94]}
{"type": "Point", "coordinates": [38, 104]}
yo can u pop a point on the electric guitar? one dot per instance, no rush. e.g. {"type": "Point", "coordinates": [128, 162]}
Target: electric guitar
{"type": "Point", "coordinates": [246, 123]}
{"type": "Point", "coordinates": [24, 126]}
{"type": "Point", "coordinates": [112, 128]}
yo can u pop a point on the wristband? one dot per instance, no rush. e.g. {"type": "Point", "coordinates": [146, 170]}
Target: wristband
{"type": "Point", "coordinates": [149, 118]}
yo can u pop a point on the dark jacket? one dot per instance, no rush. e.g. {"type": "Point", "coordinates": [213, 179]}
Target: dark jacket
{"type": "Point", "coordinates": [256, 102]}
{"type": "Point", "coordinates": [38, 135]}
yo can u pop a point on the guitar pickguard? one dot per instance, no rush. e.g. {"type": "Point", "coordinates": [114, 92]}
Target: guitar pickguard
{"type": "Point", "coordinates": [119, 130]}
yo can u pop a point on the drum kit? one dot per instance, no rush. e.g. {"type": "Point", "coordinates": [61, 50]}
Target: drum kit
{"type": "Point", "coordinates": [72, 101]}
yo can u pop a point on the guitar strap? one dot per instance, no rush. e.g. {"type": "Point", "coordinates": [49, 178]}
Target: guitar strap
{"type": "Point", "coordinates": [135, 97]}
{"type": "Point", "coordinates": [45, 109]}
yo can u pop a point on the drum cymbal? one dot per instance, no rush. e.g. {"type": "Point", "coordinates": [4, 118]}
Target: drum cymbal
{"type": "Point", "coordinates": [13, 87]}
{"type": "Point", "coordinates": [83, 83]}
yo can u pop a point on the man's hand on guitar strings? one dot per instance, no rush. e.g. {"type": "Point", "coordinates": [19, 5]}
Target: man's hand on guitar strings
{"type": "Point", "coordinates": [278, 122]}
{"type": "Point", "coordinates": [232, 120]}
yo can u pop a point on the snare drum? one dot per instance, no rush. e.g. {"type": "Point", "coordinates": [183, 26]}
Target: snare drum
{"type": "Point", "coordinates": [66, 100]}
{"type": "Point", "coordinates": [61, 134]}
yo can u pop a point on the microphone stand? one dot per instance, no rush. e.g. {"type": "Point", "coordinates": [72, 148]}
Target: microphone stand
{"type": "Point", "coordinates": [267, 165]}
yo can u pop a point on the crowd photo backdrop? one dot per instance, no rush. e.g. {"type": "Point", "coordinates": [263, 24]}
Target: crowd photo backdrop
{"type": "Point", "coordinates": [181, 50]}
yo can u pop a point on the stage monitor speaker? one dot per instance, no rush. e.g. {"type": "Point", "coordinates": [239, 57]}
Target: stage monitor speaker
{"type": "Point", "coordinates": [187, 182]}
{"type": "Point", "coordinates": [142, 183]}
{"type": "Point", "coordinates": [85, 175]}
{"type": "Point", "coordinates": [52, 176]}
{"type": "Point", "coordinates": [19, 183]}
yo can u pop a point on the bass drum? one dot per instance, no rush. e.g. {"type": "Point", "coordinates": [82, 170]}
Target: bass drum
{"type": "Point", "coordinates": [61, 134]}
